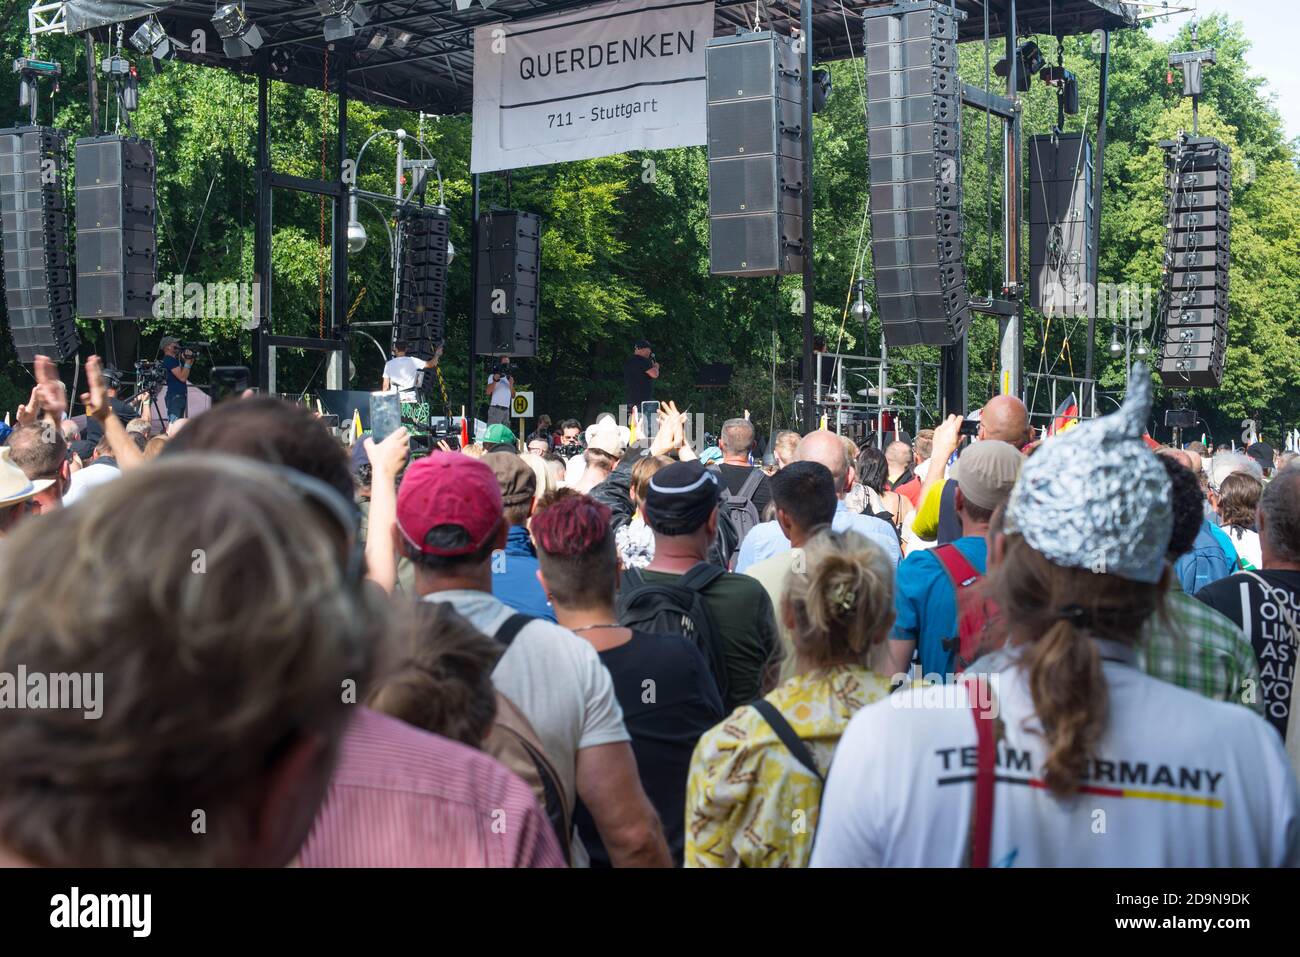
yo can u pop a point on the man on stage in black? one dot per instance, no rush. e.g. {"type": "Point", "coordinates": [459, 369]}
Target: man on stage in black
{"type": "Point", "coordinates": [639, 373]}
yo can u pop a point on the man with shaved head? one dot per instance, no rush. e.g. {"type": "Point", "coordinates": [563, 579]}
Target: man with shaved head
{"type": "Point", "coordinates": [899, 457]}
{"type": "Point", "coordinates": [826, 448]}
{"type": "Point", "coordinates": [1004, 418]}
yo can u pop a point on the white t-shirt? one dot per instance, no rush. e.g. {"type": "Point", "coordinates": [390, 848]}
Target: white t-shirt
{"type": "Point", "coordinates": [401, 372]}
{"type": "Point", "coordinates": [1179, 781]}
{"type": "Point", "coordinates": [555, 678]}
{"type": "Point", "coordinates": [84, 479]}
{"type": "Point", "coordinates": [501, 392]}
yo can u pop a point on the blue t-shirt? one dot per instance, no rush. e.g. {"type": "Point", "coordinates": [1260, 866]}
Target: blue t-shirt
{"type": "Point", "coordinates": [174, 385]}
{"type": "Point", "coordinates": [514, 576]}
{"type": "Point", "coordinates": [767, 539]}
{"type": "Point", "coordinates": [1208, 561]}
{"type": "Point", "coordinates": [925, 602]}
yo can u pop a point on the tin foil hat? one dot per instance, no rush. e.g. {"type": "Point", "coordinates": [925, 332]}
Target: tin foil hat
{"type": "Point", "coordinates": [1096, 497]}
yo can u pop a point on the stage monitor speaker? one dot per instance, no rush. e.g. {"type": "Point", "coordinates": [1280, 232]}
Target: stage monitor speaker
{"type": "Point", "coordinates": [116, 228]}
{"type": "Point", "coordinates": [1061, 252]}
{"type": "Point", "coordinates": [914, 151]}
{"type": "Point", "coordinates": [1194, 346]}
{"type": "Point", "coordinates": [33, 211]}
{"type": "Point", "coordinates": [506, 300]}
{"type": "Point", "coordinates": [420, 318]}
{"type": "Point", "coordinates": [756, 153]}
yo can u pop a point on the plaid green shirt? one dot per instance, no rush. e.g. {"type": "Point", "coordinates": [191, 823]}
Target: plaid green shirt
{"type": "Point", "coordinates": [1202, 651]}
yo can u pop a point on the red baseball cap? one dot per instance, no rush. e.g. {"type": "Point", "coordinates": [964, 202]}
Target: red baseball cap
{"type": "Point", "coordinates": [448, 488]}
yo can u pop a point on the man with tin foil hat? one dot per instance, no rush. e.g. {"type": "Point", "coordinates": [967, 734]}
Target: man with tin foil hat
{"type": "Point", "coordinates": [1073, 734]}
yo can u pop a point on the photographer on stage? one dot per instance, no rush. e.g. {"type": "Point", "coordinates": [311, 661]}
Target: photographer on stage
{"type": "Point", "coordinates": [501, 389]}
{"type": "Point", "coordinates": [177, 363]}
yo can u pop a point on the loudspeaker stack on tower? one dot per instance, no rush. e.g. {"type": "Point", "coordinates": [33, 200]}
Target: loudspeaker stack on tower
{"type": "Point", "coordinates": [33, 209]}
{"type": "Point", "coordinates": [756, 150]}
{"type": "Point", "coordinates": [1199, 171]}
{"type": "Point", "coordinates": [914, 151]}
{"type": "Point", "coordinates": [117, 254]}
{"type": "Point", "coordinates": [505, 303]}
{"type": "Point", "coordinates": [1060, 224]}
{"type": "Point", "coordinates": [421, 315]}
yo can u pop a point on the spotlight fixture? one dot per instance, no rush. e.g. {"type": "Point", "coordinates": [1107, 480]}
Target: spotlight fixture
{"type": "Point", "coordinates": [1030, 61]}
{"type": "Point", "coordinates": [239, 35]}
{"type": "Point", "coordinates": [342, 18]}
{"type": "Point", "coordinates": [153, 40]}
{"type": "Point", "coordinates": [821, 89]}
{"type": "Point", "coordinates": [401, 39]}
{"type": "Point", "coordinates": [377, 39]}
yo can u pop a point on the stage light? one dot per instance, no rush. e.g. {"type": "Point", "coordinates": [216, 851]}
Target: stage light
{"type": "Point", "coordinates": [152, 39]}
{"type": "Point", "coordinates": [1030, 62]}
{"type": "Point", "coordinates": [239, 35]}
{"type": "Point", "coordinates": [342, 18]}
{"type": "Point", "coordinates": [356, 236]}
{"type": "Point", "coordinates": [377, 39]}
{"type": "Point", "coordinates": [402, 39]}
{"type": "Point", "coordinates": [281, 61]}
{"type": "Point", "coordinates": [821, 89]}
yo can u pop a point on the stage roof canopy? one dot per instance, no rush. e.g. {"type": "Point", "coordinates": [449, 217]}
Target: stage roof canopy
{"type": "Point", "coordinates": [426, 58]}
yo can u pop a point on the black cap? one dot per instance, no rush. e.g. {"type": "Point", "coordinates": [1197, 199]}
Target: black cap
{"type": "Point", "coordinates": [641, 344]}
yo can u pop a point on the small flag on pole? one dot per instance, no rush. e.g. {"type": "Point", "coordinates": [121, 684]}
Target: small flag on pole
{"type": "Point", "coordinates": [356, 425]}
{"type": "Point", "coordinates": [464, 429]}
{"type": "Point", "coordinates": [1067, 415]}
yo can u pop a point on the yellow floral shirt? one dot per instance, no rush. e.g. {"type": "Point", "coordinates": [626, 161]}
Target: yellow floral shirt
{"type": "Point", "coordinates": [749, 802]}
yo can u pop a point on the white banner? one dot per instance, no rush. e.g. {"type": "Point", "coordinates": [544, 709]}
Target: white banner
{"type": "Point", "coordinates": [592, 82]}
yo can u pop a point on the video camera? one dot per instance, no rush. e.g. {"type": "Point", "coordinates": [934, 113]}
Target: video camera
{"type": "Point", "coordinates": [501, 368]}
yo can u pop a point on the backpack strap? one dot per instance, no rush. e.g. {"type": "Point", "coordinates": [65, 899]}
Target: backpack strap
{"type": "Point", "coordinates": [981, 838]}
{"type": "Point", "coordinates": [746, 491]}
{"type": "Point", "coordinates": [793, 743]}
{"type": "Point", "coordinates": [960, 571]}
{"type": "Point", "coordinates": [701, 576]}
{"type": "Point", "coordinates": [511, 627]}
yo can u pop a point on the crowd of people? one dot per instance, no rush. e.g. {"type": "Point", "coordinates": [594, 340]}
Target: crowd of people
{"type": "Point", "coordinates": [594, 646]}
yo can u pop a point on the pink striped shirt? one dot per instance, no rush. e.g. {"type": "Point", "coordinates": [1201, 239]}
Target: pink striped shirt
{"type": "Point", "coordinates": [401, 797]}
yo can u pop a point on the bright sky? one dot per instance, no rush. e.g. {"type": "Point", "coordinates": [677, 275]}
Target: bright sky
{"type": "Point", "coordinates": [1274, 53]}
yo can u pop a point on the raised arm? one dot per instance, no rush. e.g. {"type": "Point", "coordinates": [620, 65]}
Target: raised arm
{"type": "Point", "coordinates": [125, 451]}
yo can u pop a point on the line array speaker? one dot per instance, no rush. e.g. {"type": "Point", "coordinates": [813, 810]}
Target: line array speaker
{"type": "Point", "coordinates": [1061, 252]}
{"type": "Point", "coordinates": [116, 227]}
{"type": "Point", "coordinates": [505, 302]}
{"type": "Point", "coordinates": [1199, 183]}
{"type": "Point", "coordinates": [421, 315]}
{"type": "Point", "coordinates": [756, 154]}
{"type": "Point", "coordinates": [38, 285]}
{"type": "Point", "coordinates": [914, 151]}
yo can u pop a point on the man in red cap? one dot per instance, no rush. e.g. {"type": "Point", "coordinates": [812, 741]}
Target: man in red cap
{"type": "Point", "coordinates": [451, 525]}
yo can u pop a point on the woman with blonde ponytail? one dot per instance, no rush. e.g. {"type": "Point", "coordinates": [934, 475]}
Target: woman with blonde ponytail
{"type": "Point", "coordinates": [1063, 752]}
{"type": "Point", "coordinates": [755, 783]}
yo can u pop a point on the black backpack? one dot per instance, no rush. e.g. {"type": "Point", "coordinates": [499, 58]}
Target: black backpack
{"type": "Point", "coordinates": [676, 608]}
{"type": "Point", "coordinates": [740, 512]}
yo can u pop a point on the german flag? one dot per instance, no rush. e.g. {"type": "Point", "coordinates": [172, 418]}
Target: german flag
{"type": "Point", "coordinates": [1066, 415]}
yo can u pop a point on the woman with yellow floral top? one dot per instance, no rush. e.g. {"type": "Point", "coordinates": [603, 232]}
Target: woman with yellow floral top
{"type": "Point", "coordinates": [752, 801]}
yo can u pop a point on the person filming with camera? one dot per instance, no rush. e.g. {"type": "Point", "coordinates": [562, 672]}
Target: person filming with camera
{"type": "Point", "coordinates": [177, 363]}
{"type": "Point", "coordinates": [501, 389]}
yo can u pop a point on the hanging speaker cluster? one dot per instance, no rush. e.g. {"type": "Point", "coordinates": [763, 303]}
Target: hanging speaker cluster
{"type": "Point", "coordinates": [505, 302]}
{"type": "Point", "coordinates": [1199, 182]}
{"type": "Point", "coordinates": [421, 314]}
{"type": "Point", "coordinates": [914, 151]}
{"type": "Point", "coordinates": [756, 153]}
{"type": "Point", "coordinates": [38, 284]}
{"type": "Point", "coordinates": [1061, 253]}
{"type": "Point", "coordinates": [116, 227]}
